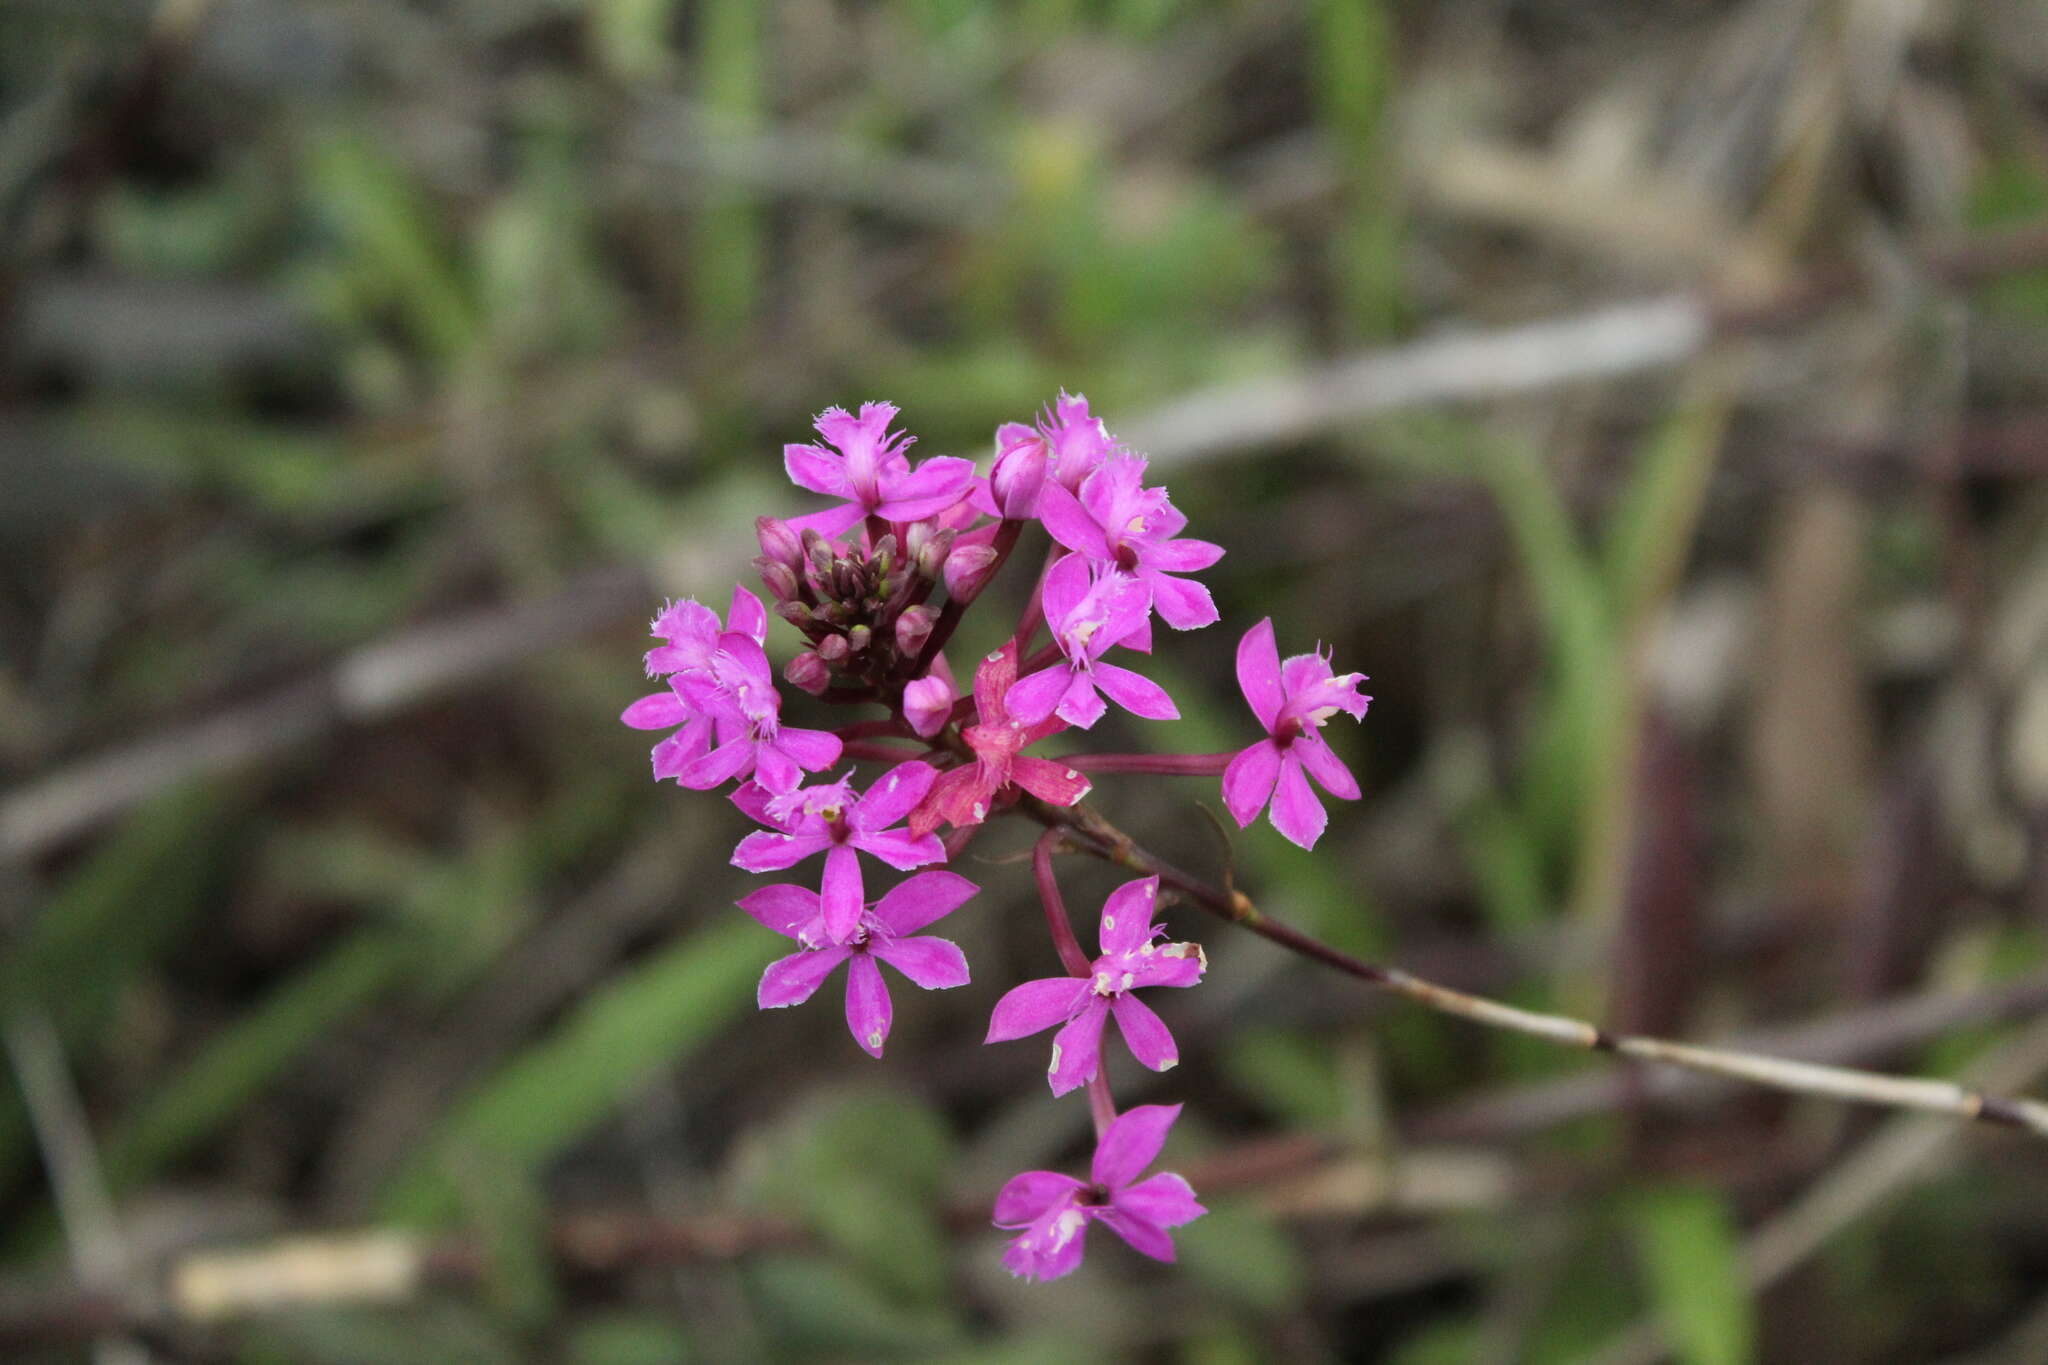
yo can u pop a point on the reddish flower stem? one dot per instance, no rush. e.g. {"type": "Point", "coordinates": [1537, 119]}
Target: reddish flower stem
{"type": "Point", "coordinates": [1063, 940]}
{"type": "Point", "coordinates": [1101, 1107]}
{"type": "Point", "coordinates": [1160, 765]}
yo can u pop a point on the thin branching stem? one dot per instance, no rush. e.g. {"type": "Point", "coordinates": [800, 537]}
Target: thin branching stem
{"type": "Point", "coordinates": [1097, 835]}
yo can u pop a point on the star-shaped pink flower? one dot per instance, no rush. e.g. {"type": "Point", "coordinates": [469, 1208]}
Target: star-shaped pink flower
{"type": "Point", "coordinates": [885, 932]}
{"type": "Point", "coordinates": [722, 694]}
{"type": "Point", "coordinates": [867, 468]}
{"type": "Point", "coordinates": [1087, 614]}
{"type": "Point", "coordinates": [966, 795]}
{"type": "Point", "coordinates": [1119, 523]}
{"type": "Point", "coordinates": [1053, 1211]}
{"type": "Point", "coordinates": [830, 819]}
{"type": "Point", "coordinates": [1292, 700]}
{"type": "Point", "coordinates": [1131, 960]}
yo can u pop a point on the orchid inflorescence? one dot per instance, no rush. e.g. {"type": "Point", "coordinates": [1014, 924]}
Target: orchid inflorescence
{"type": "Point", "coordinates": [857, 581]}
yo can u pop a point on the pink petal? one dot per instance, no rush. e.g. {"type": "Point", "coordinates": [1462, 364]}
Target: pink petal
{"type": "Point", "coordinates": [1034, 1007]}
{"type": "Point", "coordinates": [680, 749]}
{"type": "Point", "coordinates": [1145, 1032]}
{"type": "Point", "coordinates": [812, 750]}
{"type": "Point", "coordinates": [1127, 611]}
{"type": "Point", "coordinates": [818, 470]}
{"type": "Point", "coordinates": [899, 848]}
{"type": "Point", "coordinates": [1136, 693]}
{"type": "Point", "coordinates": [1028, 1196]}
{"type": "Point", "coordinates": [991, 680]}
{"type": "Point", "coordinates": [1164, 1200]}
{"type": "Point", "coordinates": [842, 897]}
{"type": "Point", "coordinates": [1183, 603]}
{"type": "Point", "coordinates": [784, 908]}
{"type": "Point", "coordinates": [794, 979]}
{"type": "Point", "coordinates": [1248, 781]}
{"type": "Point", "coordinates": [1258, 673]}
{"type": "Point", "coordinates": [935, 485]}
{"type": "Point", "coordinates": [1131, 1144]}
{"type": "Point", "coordinates": [1170, 964]}
{"type": "Point", "coordinates": [1052, 1246]}
{"type": "Point", "coordinates": [829, 522]}
{"type": "Point", "coordinates": [1325, 767]}
{"type": "Point", "coordinates": [728, 760]}
{"type": "Point", "coordinates": [1031, 699]}
{"type": "Point", "coordinates": [1066, 583]}
{"type": "Point", "coordinates": [1303, 673]}
{"type": "Point", "coordinates": [1142, 1236]}
{"type": "Point", "coordinates": [746, 615]}
{"type": "Point", "coordinates": [769, 851]}
{"type": "Point", "coordinates": [1069, 523]}
{"type": "Point", "coordinates": [1079, 704]}
{"type": "Point", "coordinates": [1127, 916]}
{"type": "Point", "coordinates": [773, 770]}
{"type": "Point", "coordinates": [933, 963]}
{"type": "Point", "coordinates": [922, 900]}
{"type": "Point", "coordinates": [661, 711]}
{"type": "Point", "coordinates": [1049, 780]}
{"type": "Point", "coordinates": [1077, 1048]}
{"type": "Point", "coordinates": [867, 1004]}
{"type": "Point", "coordinates": [890, 797]}
{"type": "Point", "coordinates": [754, 799]}
{"type": "Point", "coordinates": [1182, 556]}
{"type": "Point", "coordinates": [1296, 813]}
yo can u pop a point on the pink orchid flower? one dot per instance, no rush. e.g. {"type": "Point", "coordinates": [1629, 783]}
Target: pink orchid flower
{"type": "Point", "coordinates": [1119, 523]}
{"type": "Point", "coordinates": [722, 695]}
{"type": "Point", "coordinates": [1054, 1210]}
{"type": "Point", "coordinates": [965, 796]}
{"type": "Point", "coordinates": [868, 469]}
{"type": "Point", "coordinates": [1292, 700]}
{"type": "Point", "coordinates": [1131, 960]}
{"type": "Point", "coordinates": [830, 819]}
{"type": "Point", "coordinates": [1087, 616]}
{"type": "Point", "coordinates": [885, 932]}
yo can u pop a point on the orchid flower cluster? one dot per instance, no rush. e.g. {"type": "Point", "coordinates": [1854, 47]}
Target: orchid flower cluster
{"type": "Point", "coordinates": [875, 584]}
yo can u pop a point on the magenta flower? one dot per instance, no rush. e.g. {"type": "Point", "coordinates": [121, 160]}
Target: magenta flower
{"type": "Point", "coordinates": [722, 695]}
{"type": "Point", "coordinates": [885, 931]}
{"type": "Point", "coordinates": [868, 469]}
{"type": "Point", "coordinates": [1119, 523]}
{"type": "Point", "coordinates": [1054, 1210]}
{"type": "Point", "coordinates": [965, 795]}
{"type": "Point", "coordinates": [1292, 700]}
{"type": "Point", "coordinates": [1086, 618]}
{"type": "Point", "coordinates": [1130, 961]}
{"type": "Point", "coordinates": [830, 819]}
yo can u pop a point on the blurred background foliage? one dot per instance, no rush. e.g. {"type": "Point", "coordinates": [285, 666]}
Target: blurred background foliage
{"type": "Point", "coordinates": [370, 370]}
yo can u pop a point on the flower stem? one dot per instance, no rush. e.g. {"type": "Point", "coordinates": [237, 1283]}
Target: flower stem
{"type": "Point", "coordinates": [1161, 765]}
{"type": "Point", "coordinates": [877, 752]}
{"type": "Point", "coordinates": [1100, 1106]}
{"type": "Point", "coordinates": [1063, 940]}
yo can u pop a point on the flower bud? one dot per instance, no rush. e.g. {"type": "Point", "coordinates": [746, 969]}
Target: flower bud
{"type": "Point", "coordinates": [859, 638]}
{"type": "Point", "coordinates": [833, 649]}
{"type": "Point", "coordinates": [1019, 471]}
{"type": "Point", "coordinates": [796, 613]}
{"type": "Point", "coordinates": [779, 541]}
{"type": "Point", "coordinates": [968, 570]}
{"type": "Point", "coordinates": [928, 703]}
{"type": "Point", "coordinates": [778, 578]}
{"type": "Point", "coordinates": [809, 673]}
{"type": "Point", "coordinates": [913, 628]}
{"type": "Point", "coordinates": [931, 558]}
